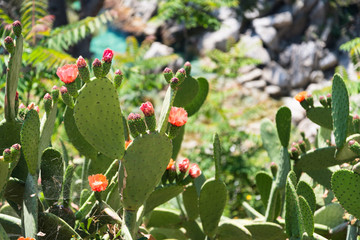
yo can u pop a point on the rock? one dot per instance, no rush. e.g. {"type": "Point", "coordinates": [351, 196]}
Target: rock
{"type": "Point", "coordinates": [318, 14]}
{"type": "Point", "coordinates": [142, 9]}
{"type": "Point", "coordinates": [225, 13]}
{"type": "Point", "coordinates": [255, 48]}
{"type": "Point", "coordinates": [303, 6]}
{"type": "Point", "coordinates": [172, 33]}
{"type": "Point", "coordinates": [269, 36]}
{"type": "Point", "coordinates": [262, 8]}
{"type": "Point", "coordinates": [277, 20]}
{"type": "Point", "coordinates": [298, 113]}
{"type": "Point", "coordinates": [260, 84]}
{"type": "Point", "coordinates": [229, 29]}
{"type": "Point", "coordinates": [254, 74]}
{"type": "Point", "coordinates": [276, 75]}
{"type": "Point", "coordinates": [246, 69]}
{"type": "Point", "coordinates": [316, 76]}
{"type": "Point", "coordinates": [309, 128]}
{"type": "Point", "coordinates": [273, 91]}
{"type": "Point", "coordinates": [158, 49]}
{"type": "Point", "coordinates": [329, 61]}
{"type": "Point", "coordinates": [318, 86]}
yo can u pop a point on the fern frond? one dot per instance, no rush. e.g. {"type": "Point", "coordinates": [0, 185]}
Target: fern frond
{"type": "Point", "coordinates": [353, 47]}
{"type": "Point", "coordinates": [5, 24]}
{"type": "Point", "coordinates": [61, 38]}
{"type": "Point", "coordinates": [132, 46]}
{"type": "Point", "coordinates": [31, 11]}
{"type": "Point", "coordinates": [46, 58]}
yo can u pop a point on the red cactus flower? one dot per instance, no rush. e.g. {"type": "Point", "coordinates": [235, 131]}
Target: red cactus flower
{"type": "Point", "coordinates": [108, 55]}
{"type": "Point", "coordinates": [194, 171]}
{"type": "Point", "coordinates": [98, 182]}
{"type": "Point", "coordinates": [301, 96]}
{"type": "Point", "coordinates": [147, 108]}
{"type": "Point", "coordinates": [184, 165]}
{"type": "Point", "coordinates": [171, 163]}
{"type": "Point", "coordinates": [178, 116]}
{"type": "Point", "coordinates": [67, 73]}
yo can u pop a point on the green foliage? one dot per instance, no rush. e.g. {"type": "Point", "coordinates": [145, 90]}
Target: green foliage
{"type": "Point", "coordinates": [353, 47]}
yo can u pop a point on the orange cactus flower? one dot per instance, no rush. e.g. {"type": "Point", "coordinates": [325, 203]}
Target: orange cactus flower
{"type": "Point", "coordinates": [178, 116]}
{"type": "Point", "coordinates": [68, 73]}
{"type": "Point", "coordinates": [171, 163]}
{"type": "Point", "coordinates": [28, 238]}
{"type": "Point", "coordinates": [98, 182]}
{"type": "Point", "coordinates": [127, 143]}
{"type": "Point", "coordinates": [301, 96]}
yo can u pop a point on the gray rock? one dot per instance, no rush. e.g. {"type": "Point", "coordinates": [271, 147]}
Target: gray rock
{"type": "Point", "coordinates": [310, 129]}
{"type": "Point", "coordinates": [269, 36]}
{"type": "Point", "coordinates": [329, 61]}
{"type": "Point", "coordinates": [273, 91]}
{"type": "Point", "coordinates": [262, 8]}
{"type": "Point", "coordinates": [254, 74]}
{"type": "Point", "coordinates": [255, 48]}
{"type": "Point", "coordinates": [229, 29]}
{"type": "Point", "coordinates": [158, 49]}
{"type": "Point", "coordinates": [260, 84]}
{"type": "Point", "coordinates": [303, 6]}
{"type": "Point", "coordinates": [316, 76]}
{"type": "Point", "coordinates": [277, 20]}
{"type": "Point", "coordinates": [276, 75]}
{"type": "Point", "coordinates": [142, 9]}
{"type": "Point", "coordinates": [318, 86]}
{"type": "Point", "coordinates": [225, 13]}
{"type": "Point", "coordinates": [318, 14]}
{"type": "Point", "coordinates": [172, 33]}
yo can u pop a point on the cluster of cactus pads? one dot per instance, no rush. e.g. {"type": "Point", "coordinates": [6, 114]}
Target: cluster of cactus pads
{"type": "Point", "coordinates": [132, 172]}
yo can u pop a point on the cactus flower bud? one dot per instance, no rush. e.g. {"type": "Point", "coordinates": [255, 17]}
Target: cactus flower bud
{"type": "Point", "coordinates": [354, 146]}
{"type": "Point", "coordinates": [194, 171]}
{"type": "Point", "coordinates": [180, 74]}
{"type": "Point", "coordinates": [22, 111]}
{"type": "Point", "coordinates": [15, 152]}
{"type": "Point", "coordinates": [184, 165]}
{"type": "Point", "coordinates": [148, 110]}
{"type": "Point", "coordinates": [168, 74]}
{"type": "Point", "coordinates": [140, 124]}
{"type": "Point", "coordinates": [67, 99]}
{"type": "Point", "coordinates": [187, 67]}
{"type": "Point", "coordinates": [55, 93]}
{"type": "Point", "coordinates": [301, 98]}
{"type": "Point", "coordinates": [274, 169]}
{"type": "Point", "coordinates": [294, 153]}
{"type": "Point", "coordinates": [302, 146]}
{"type": "Point", "coordinates": [97, 68]}
{"type": "Point", "coordinates": [310, 100]}
{"type": "Point", "coordinates": [328, 99]}
{"type": "Point", "coordinates": [47, 102]}
{"type": "Point", "coordinates": [174, 83]}
{"type": "Point", "coordinates": [83, 68]}
{"type": "Point", "coordinates": [108, 55]}
{"type": "Point", "coordinates": [170, 164]}
{"type": "Point", "coordinates": [7, 155]}
{"type": "Point", "coordinates": [132, 124]}
{"type": "Point", "coordinates": [31, 106]}
{"type": "Point", "coordinates": [67, 73]}
{"type": "Point", "coordinates": [119, 76]}
{"type": "Point", "coordinates": [17, 28]}
{"type": "Point", "coordinates": [22, 106]}
{"type": "Point", "coordinates": [323, 101]}
{"type": "Point", "coordinates": [356, 123]}
{"type": "Point", "coordinates": [98, 182]}
{"type": "Point", "coordinates": [36, 108]}
{"type": "Point", "coordinates": [9, 44]}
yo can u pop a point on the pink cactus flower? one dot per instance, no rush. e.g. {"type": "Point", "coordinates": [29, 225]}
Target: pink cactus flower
{"type": "Point", "coordinates": [67, 73]}
{"type": "Point", "coordinates": [108, 55]}
{"type": "Point", "coordinates": [80, 62]}
{"type": "Point", "coordinates": [184, 165]}
{"type": "Point", "coordinates": [147, 108]}
{"type": "Point", "coordinates": [194, 171]}
{"type": "Point", "coordinates": [178, 116]}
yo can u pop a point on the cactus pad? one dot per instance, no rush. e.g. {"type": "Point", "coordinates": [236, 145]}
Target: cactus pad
{"type": "Point", "coordinates": [321, 116]}
{"type": "Point", "coordinates": [161, 217]}
{"type": "Point", "coordinates": [293, 218]}
{"type": "Point", "coordinates": [340, 110]}
{"type": "Point", "coordinates": [304, 189]}
{"type": "Point", "coordinates": [191, 202]}
{"type": "Point", "coordinates": [345, 153]}
{"type": "Point", "coordinates": [55, 228]}
{"type": "Point", "coordinates": [212, 202]}
{"type": "Point", "coordinates": [162, 195]}
{"type": "Point", "coordinates": [98, 117]}
{"type": "Point", "coordinates": [232, 230]}
{"type": "Point", "coordinates": [4, 173]}
{"type": "Point", "coordinates": [265, 230]}
{"type": "Point", "coordinates": [165, 110]}
{"type": "Point", "coordinates": [345, 185]}
{"type": "Point", "coordinates": [144, 163]}
{"type": "Point", "coordinates": [283, 125]}
{"type": "Point", "coordinates": [200, 97]}
{"type": "Point", "coordinates": [307, 216]}
{"type": "Point", "coordinates": [186, 92]}
{"type": "Point", "coordinates": [330, 215]}
{"type": "Point", "coordinates": [30, 137]}
{"type": "Point", "coordinates": [52, 171]}
{"type": "Point", "coordinates": [263, 183]}
{"type": "Point", "coordinates": [270, 139]}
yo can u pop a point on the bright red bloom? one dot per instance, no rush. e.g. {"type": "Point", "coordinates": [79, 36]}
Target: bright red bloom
{"type": "Point", "coordinates": [108, 55]}
{"type": "Point", "coordinates": [98, 182]}
{"type": "Point", "coordinates": [147, 108]}
{"type": "Point", "coordinates": [184, 165]}
{"type": "Point", "coordinates": [67, 73]}
{"type": "Point", "coordinates": [28, 238]}
{"type": "Point", "coordinates": [178, 116]}
{"type": "Point", "coordinates": [194, 171]}
{"type": "Point", "coordinates": [171, 163]}
{"type": "Point", "coordinates": [301, 96]}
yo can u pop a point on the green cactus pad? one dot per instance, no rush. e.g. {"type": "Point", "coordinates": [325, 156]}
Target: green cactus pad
{"type": "Point", "coordinates": [283, 125]}
{"type": "Point", "coordinates": [305, 190]}
{"type": "Point", "coordinates": [177, 141]}
{"type": "Point", "coordinates": [321, 116]}
{"type": "Point", "coordinates": [323, 135]}
{"type": "Point", "coordinates": [217, 156]}
{"type": "Point", "coordinates": [340, 110]}
{"type": "Point", "coordinates": [193, 230]}
{"type": "Point", "coordinates": [30, 207]}
{"type": "Point", "coordinates": [212, 202]}
{"type": "Point", "coordinates": [52, 172]}
{"type": "Point", "coordinates": [330, 215]}
{"type": "Point", "coordinates": [270, 139]}
{"type": "Point", "coordinates": [47, 129]}
{"type": "Point", "coordinates": [232, 230]}
{"type": "Point", "coordinates": [167, 233]}
{"type": "Point", "coordinates": [265, 230]}
{"type": "Point", "coordinates": [321, 158]}
{"type": "Point", "coordinates": [165, 110]}
{"type": "Point", "coordinates": [345, 185]}
{"type": "Point", "coordinates": [30, 137]}
{"type": "Point", "coordinates": [166, 218]}
{"type": "Point", "coordinates": [191, 202]}
{"type": "Point", "coordinates": [263, 184]}
{"type": "Point", "coordinates": [55, 228]}
{"type": "Point", "coordinates": [284, 168]}
{"type": "Point", "coordinates": [11, 224]}
{"type": "Point", "coordinates": [100, 164]}
{"type": "Point", "coordinates": [200, 97]}
{"type": "Point", "coordinates": [345, 153]}
{"type": "Point", "coordinates": [4, 174]}
{"type": "Point", "coordinates": [307, 216]}
{"type": "Point", "coordinates": [85, 194]}
{"type": "Point", "coordinates": [75, 137]}
{"type": "Point", "coordinates": [3, 234]}
{"type": "Point", "coordinates": [98, 117]}
{"type": "Point", "coordinates": [186, 92]}
{"type": "Point", "coordinates": [162, 195]}
{"type": "Point", "coordinates": [293, 218]}
{"type": "Point", "coordinates": [322, 176]}
{"type": "Point", "coordinates": [144, 162]}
